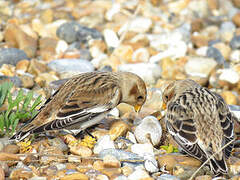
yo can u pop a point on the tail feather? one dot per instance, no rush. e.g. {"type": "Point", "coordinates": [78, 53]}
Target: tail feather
{"type": "Point", "coordinates": [19, 136]}
{"type": "Point", "coordinates": [218, 167]}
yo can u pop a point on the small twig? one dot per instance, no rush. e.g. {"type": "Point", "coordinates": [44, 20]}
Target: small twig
{"type": "Point", "coordinates": [194, 174]}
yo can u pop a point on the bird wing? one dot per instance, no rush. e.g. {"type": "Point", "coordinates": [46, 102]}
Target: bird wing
{"type": "Point", "coordinates": [82, 106]}
{"type": "Point", "coordinates": [227, 122]}
{"type": "Point", "coordinates": [181, 126]}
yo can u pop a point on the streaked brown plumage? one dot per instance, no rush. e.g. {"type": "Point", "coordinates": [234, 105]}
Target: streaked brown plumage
{"type": "Point", "coordinates": [84, 100]}
{"type": "Point", "coordinates": [200, 122]}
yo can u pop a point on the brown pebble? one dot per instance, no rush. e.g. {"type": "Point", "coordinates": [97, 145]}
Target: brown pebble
{"type": "Point", "coordinates": [11, 148]}
{"type": "Point", "coordinates": [75, 176]}
{"type": "Point", "coordinates": [118, 128]}
{"type": "Point", "coordinates": [110, 161]}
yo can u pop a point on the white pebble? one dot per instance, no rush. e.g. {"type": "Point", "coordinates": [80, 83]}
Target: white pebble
{"type": "Point", "coordinates": [111, 38]}
{"type": "Point", "coordinates": [149, 131]}
{"type": "Point", "coordinates": [138, 174]}
{"type": "Point", "coordinates": [61, 47]}
{"type": "Point", "coordinates": [200, 66]}
{"type": "Point", "coordinates": [138, 25]}
{"type": "Point", "coordinates": [235, 56]}
{"type": "Point", "coordinates": [116, 7]}
{"type": "Point", "coordinates": [104, 142]}
{"type": "Point", "coordinates": [141, 55]}
{"type": "Point", "coordinates": [228, 75]}
{"type": "Point", "coordinates": [142, 149]}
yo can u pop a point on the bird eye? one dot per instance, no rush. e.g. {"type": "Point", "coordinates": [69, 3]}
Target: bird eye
{"type": "Point", "coordinates": [139, 98]}
{"type": "Point", "coordinates": [166, 97]}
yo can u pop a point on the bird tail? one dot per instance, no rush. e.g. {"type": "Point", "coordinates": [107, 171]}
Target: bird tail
{"type": "Point", "coordinates": [19, 136]}
{"type": "Point", "coordinates": [218, 167]}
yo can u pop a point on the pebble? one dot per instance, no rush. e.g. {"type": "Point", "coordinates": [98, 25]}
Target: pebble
{"type": "Point", "coordinates": [80, 150]}
{"type": "Point", "coordinates": [75, 176]}
{"type": "Point", "coordinates": [235, 42]}
{"type": "Point", "coordinates": [118, 128]}
{"type": "Point", "coordinates": [150, 163]}
{"type": "Point", "coordinates": [140, 55]}
{"type": "Point", "coordinates": [235, 56]}
{"type": "Point", "coordinates": [111, 38]}
{"type": "Point", "coordinates": [103, 143]}
{"type": "Point", "coordinates": [59, 143]}
{"type": "Point", "coordinates": [120, 154]}
{"type": "Point", "coordinates": [214, 53]}
{"type": "Point", "coordinates": [69, 67]}
{"type": "Point", "coordinates": [138, 25]}
{"type": "Point", "coordinates": [200, 66]}
{"type": "Point", "coordinates": [228, 75]}
{"type": "Point", "coordinates": [148, 72]}
{"type": "Point", "coordinates": [11, 148]}
{"type": "Point", "coordinates": [138, 174]}
{"type": "Point", "coordinates": [227, 30]}
{"type": "Point", "coordinates": [73, 31]}
{"type": "Point", "coordinates": [11, 56]}
{"type": "Point", "coordinates": [110, 161]}
{"type": "Point", "coordinates": [149, 131]}
{"type": "Point", "coordinates": [167, 177]}
{"type": "Point", "coordinates": [142, 149]}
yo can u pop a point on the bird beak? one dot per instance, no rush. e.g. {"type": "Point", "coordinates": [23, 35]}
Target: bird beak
{"type": "Point", "coordinates": [137, 108]}
{"type": "Point", "coordinates": [164, 106]}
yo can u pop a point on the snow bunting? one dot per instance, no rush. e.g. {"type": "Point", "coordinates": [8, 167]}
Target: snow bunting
{"type": "Point", "coordinates": [84, 100]}
{"type": "Point", "coordinates": [200, 122]}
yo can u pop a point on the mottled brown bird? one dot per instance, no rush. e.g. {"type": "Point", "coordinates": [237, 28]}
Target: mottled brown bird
{"type": "Point", "coordinates": [200, 122]}
{"type": "Point", "coordinates": [84, 100]}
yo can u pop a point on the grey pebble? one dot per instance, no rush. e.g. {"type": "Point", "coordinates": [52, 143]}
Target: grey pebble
{"type": "Point", "coordinates": [11, 56]}
{"type": "Point", "coordinates": [235, 42]}
{"type": "Point", "coordinates": [71, 65]}
{"type": "Point", "coordinates": [73, 31]}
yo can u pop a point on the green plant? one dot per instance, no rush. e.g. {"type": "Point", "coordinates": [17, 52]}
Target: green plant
{"type": "Point", "coordinates": [18, 109]}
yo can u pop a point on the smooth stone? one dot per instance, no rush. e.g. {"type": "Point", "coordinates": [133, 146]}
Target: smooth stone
{"type": "Point", "coordinates": [38, 178]}
{"type": "Point", "coordinates": [59, 143]}
{"type": "Point", "coordinates": [138, 25]}
{"type": "Point", "coordinates": [235, 56]}
{"type": "Point", "coordinates": [140, 55]}
{"type": "Point", "coordinates": [4, 142]}
{"type": "Point", "coordinates": [229, 75]}
{"type": "Point", "coordinates": [73, 31]}
{"type": "Point", "coordinates": [138, 175]}
{"type": "Point", "coordinates": [142, 149]}
{"type": "Point", "coordinates": [214, 53]}
{"type": "Point", "coordinates": [227, 30]}
{"type": "Point", "coordinates": [150, 163]}
{"type": "Point", "coordinates": [167, 177]}
{"type": "Point", "coordinates": [121, 177]}
{"type": "Point", "coordinates": [68, 66]}
{"type": "Point", "coordinates": [149, 131]}
{"type": "Point", "coordinates": [103, 143]}
{"type": "Point", "coordinates": [120, 154]}
{"type": "Point", "coordinates": [235, 42]}
{"type": "Point", "coordinates": [111, 38]}
{"type": "Point", "coordinates": [11, 56]}
{"type": "Point", "coordinates": [200, 66]}
{"type": "Point", "coordinates": [148, 72]}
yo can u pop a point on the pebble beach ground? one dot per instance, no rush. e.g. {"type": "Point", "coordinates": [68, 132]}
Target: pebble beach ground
{"type": "Point", "coordinates": [44, 42]}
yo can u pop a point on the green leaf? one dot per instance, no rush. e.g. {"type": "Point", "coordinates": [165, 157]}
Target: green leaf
{"type": "Point", "coordinates": [27, 100]}
{"type": "Point", "coordinates": [4, 89]}
{"type": "Point", "coordinates": [2, 123]}
{"type": "Point", "coordinates": [14, 125]}
{"type": "Point", "coordinates": [36, 103]}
